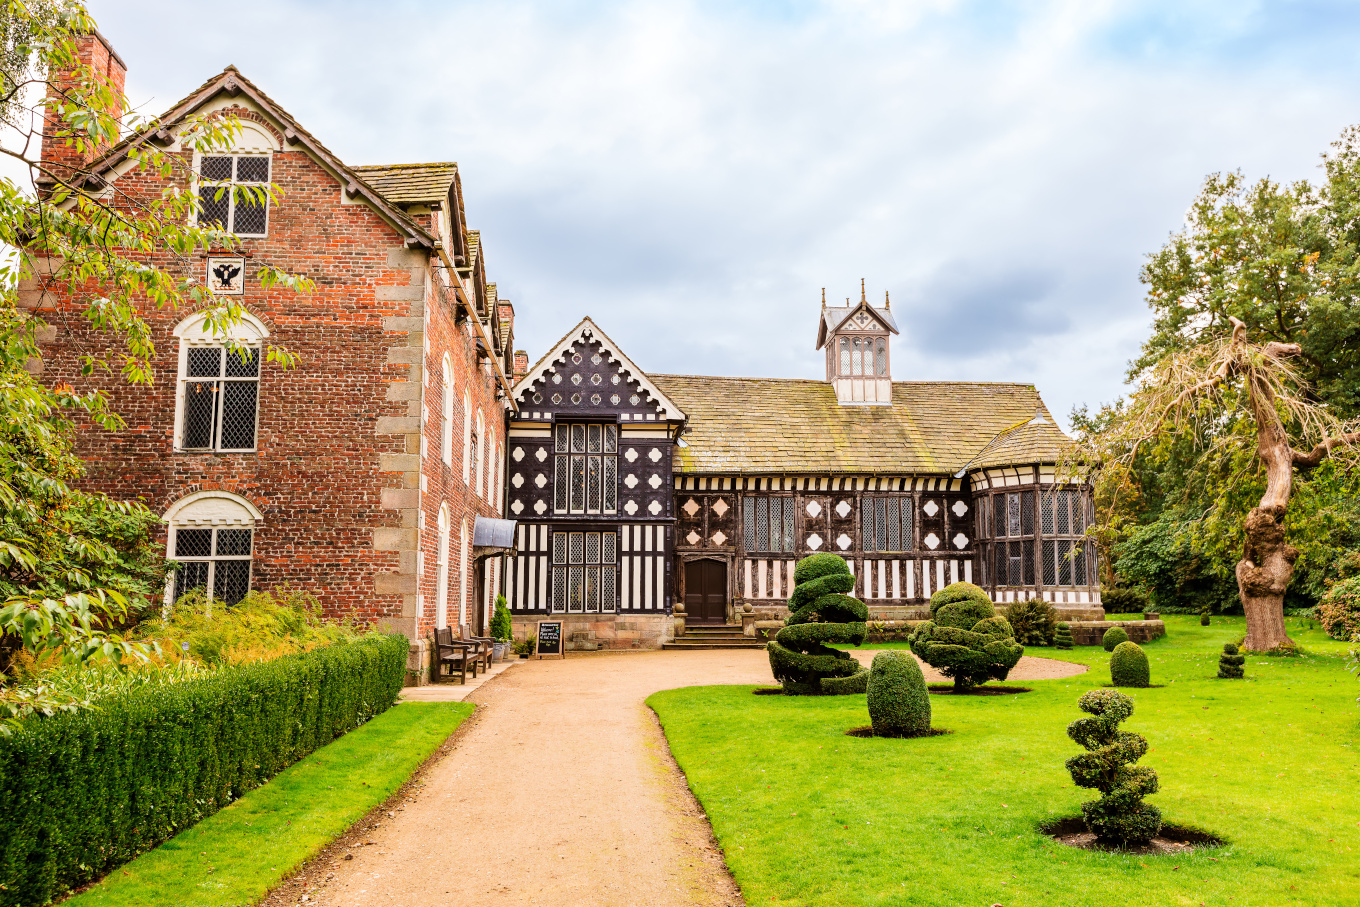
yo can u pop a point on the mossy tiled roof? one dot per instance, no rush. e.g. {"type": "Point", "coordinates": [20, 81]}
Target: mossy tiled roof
{"type": "Point", "coordinates": [779, 425]}
{"type": "Point", "coordinates": [411, 184]}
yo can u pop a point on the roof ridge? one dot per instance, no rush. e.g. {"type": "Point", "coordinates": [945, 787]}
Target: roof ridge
{"type": "Point", "coordinates": [824, 381]}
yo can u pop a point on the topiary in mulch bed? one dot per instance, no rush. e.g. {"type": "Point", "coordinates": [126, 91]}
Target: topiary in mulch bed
{"type": "Point", "coordinates": [948, 689]}
{"type": "Point", "coordinates": [1172, 839]}
{"type": "Point", "coordinates": [868, 731]}
{"type": "Point", "coordinates": [820, 613]}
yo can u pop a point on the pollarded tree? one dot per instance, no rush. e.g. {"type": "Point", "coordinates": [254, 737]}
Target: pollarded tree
{"type": "Point", "coordinates": [1190, 394]}
{"type": "Point", "coordinates": [820, 613]}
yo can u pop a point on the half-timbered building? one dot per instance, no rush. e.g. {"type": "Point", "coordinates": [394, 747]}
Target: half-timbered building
{"type": "Point", "coordinates": [709, 489]}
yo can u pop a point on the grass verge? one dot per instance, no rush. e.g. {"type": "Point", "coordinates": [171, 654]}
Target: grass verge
{"type": "Point", "coordinates": [237, 855]}
{"type": "Point", "coordinates": [808, 816]}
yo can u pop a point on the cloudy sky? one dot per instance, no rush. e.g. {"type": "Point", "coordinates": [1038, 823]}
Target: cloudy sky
{"type": "Point", "coordinates": [691, 174]}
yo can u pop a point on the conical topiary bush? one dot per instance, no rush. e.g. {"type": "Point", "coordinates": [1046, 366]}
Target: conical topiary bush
{"type": "Point", "coordinates": [1062, 637]}
{"type": "Point", "coordinates": [820, 613]}
{"type": "Point", "coordinates": [964, 639]}
{"type": "Point", "coordinates": [1230, 663]}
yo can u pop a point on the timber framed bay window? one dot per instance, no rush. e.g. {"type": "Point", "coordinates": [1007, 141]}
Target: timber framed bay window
{"type": "Point", "coordinates": [863, 357]}
{"type": "Point", "coordinates": [585, 468]}
{"type": "Point", "coordinates": [218, 396]}
{"type": "Point", "coordinates": [1068, 558]}
{"type": "Point", "coordinates": [1038, 538]}
{"type": "Point", "coordinates": [231, 193]}
{"type": "Point", "coordinates": [887, 524]}
{"type": "Point", "coordinates": [211, 540]}
{"type": "Point", "coordinates": [585, 572]}
{"type": "Point", "coordinates": [767, 524]}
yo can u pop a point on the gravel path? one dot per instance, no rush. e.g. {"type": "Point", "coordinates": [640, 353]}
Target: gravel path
{"type": "Point", "coordinates": [560, 791]}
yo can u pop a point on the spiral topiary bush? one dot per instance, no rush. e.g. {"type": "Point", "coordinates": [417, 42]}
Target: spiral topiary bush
{"type": "Point", "coordinates": [1230, 663]}
{"type": "Point", "coordinates": [1120, 816]}
{"type": "Point", "coordinates": [899, 703]}
{"type": "Point", "coordinates": [1062, 636]}
{"type": "Point", "coordinates": [1034, 622]}
{"type": "Point", "coordinates": [820, 613]}
{"type": "Point", "coordinates": [964, 639]}
{"type": "Point", "coordinates": [1113, 637]}
{"type": "Point", "coordinates": [1129, 666]}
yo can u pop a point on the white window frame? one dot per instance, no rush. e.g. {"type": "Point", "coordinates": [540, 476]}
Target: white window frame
{"type": "Point", "coordinates": [210, 510]}
{"type": "Point", "coordinates": [462, 575]}
{"type": "Point", "coordinates": [479, 478]}
{"type": "Point", "coordinates": [229, 186]}
{"type": "Point", "coordinates": [467, 439]}
{"type": "Point", "coordinates": [441, 613]}
{"type": "Point", "coordinates": [446, 416]}
{"type": "Point", "coordinates": [248, 331]}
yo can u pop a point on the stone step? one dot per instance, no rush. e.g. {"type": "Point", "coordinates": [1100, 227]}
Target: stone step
{"type": "Point", "coordinates": [743, 643]}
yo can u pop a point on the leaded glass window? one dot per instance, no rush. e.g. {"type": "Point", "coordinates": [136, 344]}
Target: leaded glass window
{"type": "Point", "coordinates": [1027, 513]}
{"type": "Point", "coordinates": [1013, 514]}
{"type": "Point", "coordinates": [586, 468]}
{"type": "Point", "coordinates": [231, 193]}
{"type": "Point", "coordinates": [999, 516]}
{"type": "Point", "coordinates": [886, 523]}
{"type": "Point", "coordinates": [214, 560]}
{"type": "Point", "coordinates": [585, 572]}
{"type": "Point", "coordinates": [845, 356]}
{"type": "Point", "coordinates": [1066, 562]}
{"type": "Point", "coordinates": [220, 389]}
{"type": "Point", "coordinates": [768, 523]}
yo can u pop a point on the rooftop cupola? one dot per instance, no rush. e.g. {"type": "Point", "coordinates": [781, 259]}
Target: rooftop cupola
{"type": "Point", "coordinates": [855, 337]}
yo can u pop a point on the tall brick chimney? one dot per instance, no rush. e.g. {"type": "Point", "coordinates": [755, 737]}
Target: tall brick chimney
{"type": "Point", "coordinates": [521, 365]}
{"type": "Point", "coordinates": [59, 151]}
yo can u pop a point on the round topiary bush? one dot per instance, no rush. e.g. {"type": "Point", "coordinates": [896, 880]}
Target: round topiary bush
{"type": "Point", "coordinates": [1120, 816]}
{"type": "Point", "coordinates": [1034, 622]}
{"type": "Point", "coordinates": [1062, 636]}
{"type": "Point", "coordinates": [820, 613]}
{"type": "Point", "coordinates": [965, 640]}
{"type": "Point", "coordinates": [1113, 637]}
{"type": "Point", "coordinates": [899, 703]}
{"type": "Point", "coordinates": [1204, 619]}
{"type": "Point", "coordinates": [1339, 610]}
{"type": "Point", "coordinates": [1129, 666]}
{"type": "Point", "coordinates": [1230, 663]}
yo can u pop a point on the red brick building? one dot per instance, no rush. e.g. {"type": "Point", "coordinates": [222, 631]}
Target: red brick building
{"type": "Point", "coordinates": [359, 474]}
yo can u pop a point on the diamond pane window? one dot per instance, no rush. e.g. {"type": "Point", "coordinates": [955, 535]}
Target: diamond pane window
{"type": "Point", "coordinates": [578, 439]}
{"type": "Point", "coordinates": [1064, 563]}
{"type": "Point", "coordinates": [893, 521]}
{"type": "Point", "coordinates": [1015, 564]}
{"type": "Point", "coordinates": [748, 521]}
{"type": "Point", "coordinates": [1013, 514]}
{"type": "Point", "coordinates": [220, 398]}
{"type": "Point", "coordinates": [1046, 504]}
{"type": "Point", "coordinates": [576, 550]}
{"type": "Point", "coordinates": [231, 193]}
{"type": "Point", "coordinates": [1064, 524]}
{"type": "Point", "coordinates": [999, 516]}
{"type": "Point", "coordinates": [586, 483]}
{"type": "Point", "coordinates": [1027, 513]}
{"type": "Point", "coordinates": [1028, 553]}
{"type": "Point", "coordinates": [611, 436]}
{"type": "Point", "coordinates": [214, 560]}
{"type": "Point", "coordinates": [845, 355]}
{"type": "Point", "coordinates": [578, 484]}
{"type": "Point", "coordinates": [762, 524]}
{"type": "Point", "coordinates": [611, 484]}
{"type": "Point", "coordinates": [562, 433]}
{"type": "Point", "coordinates": [1075, 501]}
{"type": "Point", "coordinates": [788, 525]}
{"type": "Point", "coordinates": [193, 542]}
{"type": "Point", "coordinates": [560, 468]}
{"type": "Point", "coordinates": [596, 433]}
{"type": "Point", "coordinates": [575, 590]}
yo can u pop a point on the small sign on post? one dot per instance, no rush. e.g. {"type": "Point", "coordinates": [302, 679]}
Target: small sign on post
{"type": "Point", "coordinates": [549, 640]}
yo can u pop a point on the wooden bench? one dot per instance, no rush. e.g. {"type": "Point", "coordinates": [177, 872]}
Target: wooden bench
{"type": "Point", "coordinates": [484, 647]}
{"type": "Point", "coordinates": [454, 654]}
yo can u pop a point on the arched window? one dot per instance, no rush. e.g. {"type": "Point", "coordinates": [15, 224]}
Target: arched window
{"type": "Point", "coordinates": [441, 613]}
{"type": "Point", "coordinates": [845, 355]}
{"type": "Point", "coordinates": [467, 438]}
{"type": "Point", "coordinates": [498, 480]}
{"type": "Point", "coordinates": [217, 401]}
{"type": "Point", "coordinates": [479, 455]}
{"type": "Point", "coordinates": [212, 535]}
{"type": "Point", "coordinates": [446, 419]}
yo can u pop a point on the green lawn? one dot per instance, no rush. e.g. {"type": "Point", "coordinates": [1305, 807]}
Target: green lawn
{"type": "Point", "coordinates": [236, 855]}
{"type": "Point", "coordinates": [808, 816]}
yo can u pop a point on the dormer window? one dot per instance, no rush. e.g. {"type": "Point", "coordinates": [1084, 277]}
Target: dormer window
{"type": "Point", "coordinates": [222, 205]}
{"type": "Point", "coordinates": [863, 357]}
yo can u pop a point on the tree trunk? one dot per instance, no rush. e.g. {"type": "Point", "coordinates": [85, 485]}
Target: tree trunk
{"type": "Point", "coordinates": [1262, 576]}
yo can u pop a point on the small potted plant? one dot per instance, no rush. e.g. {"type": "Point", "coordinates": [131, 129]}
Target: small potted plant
{"type": "Point", "coordinates": [500, 630]}
{"type": "Point", "coordinates": [525, 647]}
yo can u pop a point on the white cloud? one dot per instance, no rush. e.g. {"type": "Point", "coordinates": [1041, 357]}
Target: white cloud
{"type": "Point", "coordinates": [691, 174]}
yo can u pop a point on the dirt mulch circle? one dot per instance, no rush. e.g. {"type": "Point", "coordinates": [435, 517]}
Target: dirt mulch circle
{"type": "Point", "coordinates": [947, 689]}
{"type": "Point", "coordinates": [1174, 839]}
{"type": "Point", "coordinates": [868, 731]}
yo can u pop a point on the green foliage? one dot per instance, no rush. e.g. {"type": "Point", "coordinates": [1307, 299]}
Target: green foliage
{"type": "Point", "coordinates": [1129, 666]}
{"type": "Point", "coordinates": [1231, 662]}
{"type": "Point", "coordinates": [966, 641]}
{"type": "Point", "coordinates": [526, 645]}
{"type": "Point", "coordinates": [820, 613]}
{"type": "Point", "coordinates": [501, 628]}
{"type": "Point", "coordinates": [1034, 622]}
{"type": "Point", "coordinates": [849, 685]}
{"type": "Point", "coordinates": [1124, 599]}
{"type": "Point", "coordinates": [898, 700]}
{"type": "Point", "coordinates": [1113, 637]}
{"type": "Point", "coordinates": [1062, 636]}
{"type": "Point", "coordinates": [85, 792]}
{"type": "Point", "coordinates": [1204, 619]}
{"type": "Point", "coordinates": [1120, 816]}
{"type": "Point", "coordinates": [1339, 610]}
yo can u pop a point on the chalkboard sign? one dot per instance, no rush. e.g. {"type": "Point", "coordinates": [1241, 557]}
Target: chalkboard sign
{"type": "Point", "coordinates": [550, 639]}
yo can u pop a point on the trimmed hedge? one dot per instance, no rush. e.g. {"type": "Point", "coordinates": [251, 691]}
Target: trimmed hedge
{"type": "Point", "coordinates": [1129, 666]}
{"type": "Point", "coordinates": [1062, 637]}
{"type": "Point", "coordinates": [82, 793]}
{"type": "Point", "coordinates": [1113, 637]}
{"type": "Point", "coordinates": [899, 703]}
{"type": "Point", "coordinates": [1230, 663]}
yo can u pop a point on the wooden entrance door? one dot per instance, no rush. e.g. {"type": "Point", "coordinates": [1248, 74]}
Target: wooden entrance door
{"type": "Point", "coordinates": [706, 592]}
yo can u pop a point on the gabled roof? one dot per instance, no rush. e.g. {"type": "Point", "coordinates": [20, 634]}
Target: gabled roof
{"type": "Point", "coordinates": [585, 332]}
{"type": "Point", "coordinates": [834, 317]}
{"type": "Point", "coordinates": [411, 184]}
{"type": "Point", "coordinates": [780, 425]}
{"type": "Point", "coordinates": [230, 81]}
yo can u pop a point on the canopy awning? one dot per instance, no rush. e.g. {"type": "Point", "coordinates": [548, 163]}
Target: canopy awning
{"type": "Point", "coordinates": [488, 532]}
